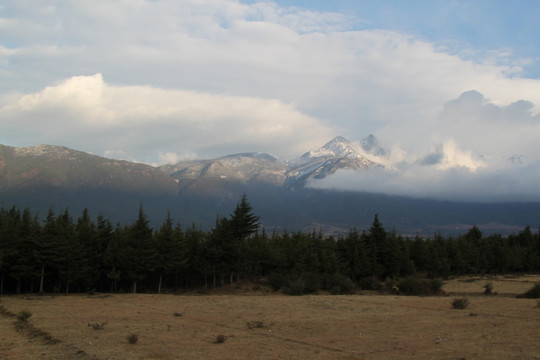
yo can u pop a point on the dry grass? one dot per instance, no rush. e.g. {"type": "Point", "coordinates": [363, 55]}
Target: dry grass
{"type": "Point", "coordinates": [306, 327]}
{"type": "Point", "coordinates": [503, 285]}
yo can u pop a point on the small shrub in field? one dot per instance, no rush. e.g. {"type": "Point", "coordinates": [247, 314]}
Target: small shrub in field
{"type": "Point", "coordinates": [460, 303]}
{"type": "Point", "coordinates": [488, 289]}
{"type": "Point", "coordinates": [97, 326]}
{"type": "Point", "coordinates": [23, 315]}
{"type": "Point", "coordinates": [532, 293]}
{"type": "Point", "coordinates": [132, 338]}
{"type": "Point", "coordinates": [255, 324]}
{"type": "Point", "coordinates": [220, 339]}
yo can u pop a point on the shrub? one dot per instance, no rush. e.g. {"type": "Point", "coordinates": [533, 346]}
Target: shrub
{"type": "Point", "coordinates": [488, 289]}
{"type": "Point", "coordinates": [295, 287]}
{"type": "Point", "coordinates": [413, 286]}
{"type": "Point", "coordinates": [388, 286]}
{"type": "Point", "coordinates": [340, 284]}
{"type": "Point", "coordinates": [460, 303]}
{"type": "Point", "coordinates": [132, 338]}
{"type": "Point", "coordinates": [277, 281]}
{"type": "Point", "coordinates": [532, 293]}
{"type": "Point", "coordinates": [220, 339]}
{"type": "Point", "coordinates": [255, 324]}
{"type": "Point", "coordinates": [97, 326]}
{"type": "Point", "coordinates": [369, 283]}
{"type": "Point", "coordinates": [312, 282]}
{"type": "Point", "coordinates": [435, 285]}
{"type": "Point", "coordinates": [23, 315]}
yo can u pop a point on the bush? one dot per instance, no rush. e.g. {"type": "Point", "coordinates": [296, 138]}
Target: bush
{"type": "Point", "coordinates": [312, 282]}
{"type": "Point", "coordinates": [220, 339]}
{"type": "Point", "coordinates": [257, 324]}
{"type": "Point", "coordinates": [488, 289]}
{"type": "Point", "coordinates": [295, 287]}
{"type": "Point", "coordinates": [532, 293]}
{"type": "Point", "coordinates": [277, 281]}
{"type": "Point", "coordinates": [339, 284]}
{"type": "Point", "coordinates": [460, 303]}
{"type": "Point", "coordinates": [132, 338]}
{"type": "Point", "coordinates": [413, 286]}
{"type": "Point", "coordinates": [23, 315]}
{"type": "Point", "coordinates": [435, 285]}
{"type": "Point", "coordinates": [97, 326]}
{"type": "Point", "coordinates": [369, 283]}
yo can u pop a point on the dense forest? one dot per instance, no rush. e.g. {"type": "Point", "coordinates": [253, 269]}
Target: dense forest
{"type": "Point", "coordinates": [61, 255]}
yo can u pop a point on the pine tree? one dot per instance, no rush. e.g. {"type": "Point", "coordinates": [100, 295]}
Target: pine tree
{"type": "Point", "coordinates": [171, 248]}
{"type": "Point", "coordinates": [141, 251]}
{"type": "Point", "coordinates": [244, 222]}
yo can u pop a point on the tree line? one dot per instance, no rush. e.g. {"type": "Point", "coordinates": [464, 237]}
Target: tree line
{"type": "Point", "coordinates": [62, 254]}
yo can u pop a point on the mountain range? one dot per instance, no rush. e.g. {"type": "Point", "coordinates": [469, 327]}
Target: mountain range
{"type": "Point", "coordinates": [198, 191]}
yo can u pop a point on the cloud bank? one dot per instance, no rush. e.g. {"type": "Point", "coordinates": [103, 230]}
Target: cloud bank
{"type": "Point", "coordinates": [159, 81]}
{"type": "Point", "coordinates": [156, 125]}
{"type": "Point", "coordinates": [474, 151]}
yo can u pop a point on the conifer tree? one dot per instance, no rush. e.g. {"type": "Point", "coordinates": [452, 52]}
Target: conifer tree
{"type": "Point", "coordinates": [141, 253]}
{"type": "Point", "coordinates": [171, 249]}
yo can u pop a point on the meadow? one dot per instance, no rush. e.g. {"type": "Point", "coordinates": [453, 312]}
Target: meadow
{"type": "Point", "coordinates": [247, 323]}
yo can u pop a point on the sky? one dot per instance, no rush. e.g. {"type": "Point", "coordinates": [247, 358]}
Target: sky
{"type": "Point", "coordinates": [450, 88]}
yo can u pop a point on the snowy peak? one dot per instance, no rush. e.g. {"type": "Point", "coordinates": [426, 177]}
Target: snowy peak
{"type": "Point", "coordinates": [325, 161]}
{"type": "Point", "coordinates": [339, 147]}
{"type": "Point", "coordinates": [244, 167]}
{"type": "Point", "coordinates": [370, 144]}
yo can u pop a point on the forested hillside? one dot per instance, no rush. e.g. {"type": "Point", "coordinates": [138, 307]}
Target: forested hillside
{"type": "Point", "coordinates": [62, 254]}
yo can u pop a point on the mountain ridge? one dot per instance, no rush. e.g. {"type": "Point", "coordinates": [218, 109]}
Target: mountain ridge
{"type": "Point", "coordinates": [196, 191]}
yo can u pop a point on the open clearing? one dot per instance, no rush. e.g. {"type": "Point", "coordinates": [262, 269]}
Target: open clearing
{"type": "Point", "coordinates": [274, 326]}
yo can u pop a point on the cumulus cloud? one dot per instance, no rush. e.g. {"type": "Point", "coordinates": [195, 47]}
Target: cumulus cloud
{"type": "Point", "coordinates": [159, 81]}
{"type": "Point", "coordinates": [475, 150]}
{"type": "Point", "coordinates": [321, 62]}
{"type": "Point", "coordinates": [155, 125]}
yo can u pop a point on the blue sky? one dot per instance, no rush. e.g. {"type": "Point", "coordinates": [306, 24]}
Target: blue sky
{"type": "Point", "coordinates": [159, 81]}
{"type": "Point", "coordinates": [480, 26]}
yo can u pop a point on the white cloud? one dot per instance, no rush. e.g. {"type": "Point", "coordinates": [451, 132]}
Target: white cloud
{"type": "Point", "coordinates": [475, 150]}
{"type": "Point", "coordinates": [154, 125]}
{"type": "Point", "coordinates": [453, 184]}
{"type": "Point", "coordinates": [211, 77]}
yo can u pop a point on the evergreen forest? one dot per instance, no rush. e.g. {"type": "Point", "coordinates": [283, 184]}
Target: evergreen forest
{"type": "Point", "coordinates": [60, 254]}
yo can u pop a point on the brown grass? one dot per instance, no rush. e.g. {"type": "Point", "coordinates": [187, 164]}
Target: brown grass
{"type": "Point", "coordinates": [304, 327]}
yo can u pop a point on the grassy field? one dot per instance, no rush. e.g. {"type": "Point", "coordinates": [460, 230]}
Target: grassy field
{"type": "Point", "coordinates": [269, 325]}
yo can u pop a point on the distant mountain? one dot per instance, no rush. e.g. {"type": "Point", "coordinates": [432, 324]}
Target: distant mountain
{"type": "Point", "coordinates": [197, 191]}
{"type": "Point", "coordinates": [371, 145]}
{"type": "Point", "coordinates": [53, 176]}
{"type": "Point", "coordinates": [61, 166]}
{"type": "Point", "coordinates": [335, 155]}
{"type": "Point", "coordinates": [246, 167]}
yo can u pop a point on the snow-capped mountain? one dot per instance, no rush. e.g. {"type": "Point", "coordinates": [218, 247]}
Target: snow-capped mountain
{"type": "Point", "coordinates": [261, 167]}
{"type": "Point", "coordinates": [320, 163]}
{"type": "Point", "coordinates": [245, 167]}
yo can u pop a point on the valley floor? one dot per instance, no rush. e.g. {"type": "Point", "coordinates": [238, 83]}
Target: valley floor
{"type": "Point", "coordinates": [274, 326]}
